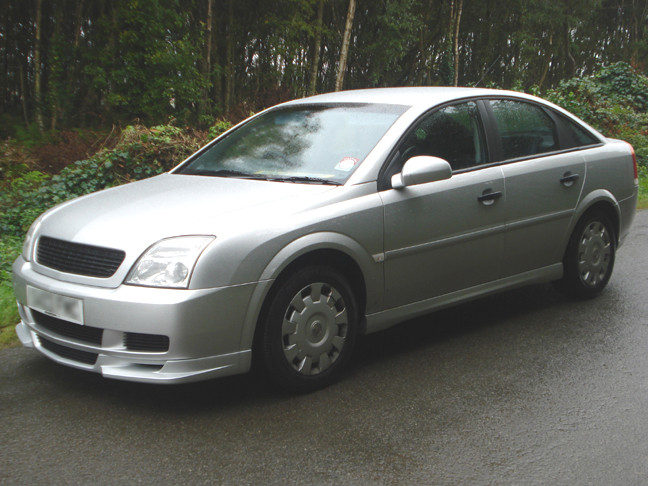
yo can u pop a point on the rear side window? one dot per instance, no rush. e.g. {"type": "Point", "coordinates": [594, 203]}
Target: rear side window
{"type": "Point", "coordinates": [525, 129]}
{"type": "Point", "coordinates": [578, 136]}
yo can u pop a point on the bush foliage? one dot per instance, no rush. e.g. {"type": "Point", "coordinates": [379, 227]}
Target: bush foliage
{"type": "Point", "coordinates": [139, 153]}
{"type": "Point", "coordinates": [614, 101]}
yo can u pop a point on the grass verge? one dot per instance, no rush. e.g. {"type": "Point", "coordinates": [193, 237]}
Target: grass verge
{"type": "Point", "coordinates": [642, 202]}
{"type": "Point", "coordinates": [8, 316]}
{"type": "Point", "coordinates": [10, 248]}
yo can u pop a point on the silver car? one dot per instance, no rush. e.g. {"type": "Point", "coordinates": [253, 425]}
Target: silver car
{"type": "Point", "coordinates": [320, 220]}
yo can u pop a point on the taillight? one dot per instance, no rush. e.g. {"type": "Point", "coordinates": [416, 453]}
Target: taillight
{"type": "Point", "coordinates": [634, 163]}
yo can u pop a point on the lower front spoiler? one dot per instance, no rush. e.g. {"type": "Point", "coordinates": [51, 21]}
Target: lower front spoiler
{"type": "Point", "coordinates": [134, 369]}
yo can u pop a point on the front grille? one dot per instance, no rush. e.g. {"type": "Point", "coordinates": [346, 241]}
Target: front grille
{"type": "Point", "coordinates": [68, 353]}
{"type": "Point", "coordinates": [91, 335]}
{"type": "Point", "coordinates": [146, 342]}
{"type": "Point", "coordinates": [79, 259]}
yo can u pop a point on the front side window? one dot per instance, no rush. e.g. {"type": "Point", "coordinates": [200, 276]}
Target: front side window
{"type": "Point", "coordinates": [525, 129]}
{"type": "Point", "coordinates": [314, 143]}
{"type": "Point", "coordinates": [453, 133]}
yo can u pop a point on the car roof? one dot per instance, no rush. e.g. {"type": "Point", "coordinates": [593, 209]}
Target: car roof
{"type": "Point", "coordinates": [410, 96]}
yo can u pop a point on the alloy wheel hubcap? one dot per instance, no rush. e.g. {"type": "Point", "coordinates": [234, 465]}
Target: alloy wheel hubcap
{"type": "Point", "coordinates": [314, 329]}
{"type": "Point", "coordinates": [594, 252]}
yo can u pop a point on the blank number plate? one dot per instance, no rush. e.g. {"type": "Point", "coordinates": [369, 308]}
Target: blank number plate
{"type": "Point", "coordinates": [55, 305]}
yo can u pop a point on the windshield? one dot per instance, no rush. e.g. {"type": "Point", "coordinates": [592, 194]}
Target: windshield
{"type": "Point", "coordinates": [312, 144]}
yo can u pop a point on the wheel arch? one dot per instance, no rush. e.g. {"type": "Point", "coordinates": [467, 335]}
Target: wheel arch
{"type": "Point", "coordinates": [599, 200]}
{"type": "Point", "coordinates": [333, 250]}
{"type": "Point", "coordinates": [588, 264]}
{"type": "Point", "coordinates": [603, 201]}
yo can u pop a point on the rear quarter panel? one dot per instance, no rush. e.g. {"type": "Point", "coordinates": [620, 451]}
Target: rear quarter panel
{"type": "Point", "coordinates": [610, 177]}
{"type": "Point", "coordinates": [610, 167]}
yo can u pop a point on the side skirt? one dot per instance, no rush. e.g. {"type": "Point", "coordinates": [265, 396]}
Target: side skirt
{"type": "Point", "coordinates": [385, 319]}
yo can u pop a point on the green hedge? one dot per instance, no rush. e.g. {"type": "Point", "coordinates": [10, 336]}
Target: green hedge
{"type": "Point", "coordinates": [615, 102]}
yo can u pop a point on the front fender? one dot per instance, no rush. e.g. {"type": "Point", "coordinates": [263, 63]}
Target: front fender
{"type": "Point", "coordinates": [371, 271]}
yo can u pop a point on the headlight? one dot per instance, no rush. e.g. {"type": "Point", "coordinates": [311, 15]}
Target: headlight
{"type": "Point", "coordinates": [29, 237]}
{"type": "Point", "coordinates": [169, 263]}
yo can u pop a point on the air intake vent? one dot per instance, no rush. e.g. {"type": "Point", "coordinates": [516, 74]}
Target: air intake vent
{"type": "Point", "coordinates": [91, 335]}
{"type": "Point", "coordinates": [154, 343]}
{"type": "Point", "coordinates": [68, 353]}
{"type": "Point", "coordinates": [92, 261]}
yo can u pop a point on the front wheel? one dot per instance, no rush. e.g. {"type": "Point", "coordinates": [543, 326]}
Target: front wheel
{"type": "Point", "coordinates": [589, 258]}
{"type": "Point", "coordinates": [310, 329]}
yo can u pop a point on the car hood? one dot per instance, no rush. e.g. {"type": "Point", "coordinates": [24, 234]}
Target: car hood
{"type": "Point", "coordinates": [136, 215]}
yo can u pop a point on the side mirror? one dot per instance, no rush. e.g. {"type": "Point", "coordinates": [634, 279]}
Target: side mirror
{"type": "Point", "coordinates": [421, 170]}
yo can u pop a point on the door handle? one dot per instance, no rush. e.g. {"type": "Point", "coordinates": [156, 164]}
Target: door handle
{"type": "Point", "coordinates": [489, 198]}
{"type": "Point", "coordinates": [568, 179]}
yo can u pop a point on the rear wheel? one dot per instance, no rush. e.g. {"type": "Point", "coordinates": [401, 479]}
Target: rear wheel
{"type": "Point", "coordinates": [589, 258]}
{"type": "Point", "coordinates": [310, 329]}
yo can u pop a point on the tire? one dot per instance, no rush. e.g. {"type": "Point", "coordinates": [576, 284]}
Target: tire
{"type": "Point", "coordinates": [310, 330]}
{"type": "Point", "coordinates": [589, 258]}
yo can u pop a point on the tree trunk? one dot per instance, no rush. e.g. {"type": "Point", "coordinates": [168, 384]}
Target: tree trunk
{"type": "Point", "coordinates": [229, 74]}
{"type": "Point", "coordinates": [5, 85]}
{"type": "Point", "coordinates": [636, 31]}
{"type": "Point", "coordinates": [424, 46]}
{"type": "Point", "coordinates": [209, 36]}
{"type": "Point", "coordinates": [79, 24]}
{"type": "Point", "coordinates": [446, 70]}
{"type": "Point", "coordinates": [456, 43]}
{"type": "Point", "coordinates": [55, 69]}
{"type": "Point", "coordinates": [451, 18]}
{"type": "Point", "coordinates": [570, 59]}
{"type": "Point", "coordinates": [547, 63]}
{"type": "Point", "coordinates": [37, 66]}
{"type": "Point", "coordinates": [207, 61]}
{"type": "Point", "coordinates": [112, 49]}
{"type": "Point", "coordinates": [345, 46]}
{"type": "Point", "coordinates": [316, 50]}
{"type": "Point", "coordinates": [641, 32]}
{"type": "Point", "coordinates": [72, 75]}
{"type": "Point", "coordinates": [23, 92]}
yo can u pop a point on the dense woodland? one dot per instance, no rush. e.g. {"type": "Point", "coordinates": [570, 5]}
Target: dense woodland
{"type": "Point", "coordinates": [95, 63]}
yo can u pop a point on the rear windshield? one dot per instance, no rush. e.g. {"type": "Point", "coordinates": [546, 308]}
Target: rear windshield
{"type": "Point", "coordinates": [312, 143]}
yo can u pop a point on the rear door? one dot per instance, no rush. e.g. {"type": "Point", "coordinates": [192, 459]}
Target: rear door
{"type": "Point", "coordinates": [543, 183]}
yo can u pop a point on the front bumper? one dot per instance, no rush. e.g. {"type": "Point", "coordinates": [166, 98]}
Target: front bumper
{"type": "Point", "coordinates": [203, 328]}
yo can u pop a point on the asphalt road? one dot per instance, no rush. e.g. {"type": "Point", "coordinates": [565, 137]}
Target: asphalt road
{"type": "Point", "coordinates": [524, 388]}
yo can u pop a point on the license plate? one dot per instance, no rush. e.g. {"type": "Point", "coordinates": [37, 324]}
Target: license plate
{"type": "Point", "coordinates": [55, 305]}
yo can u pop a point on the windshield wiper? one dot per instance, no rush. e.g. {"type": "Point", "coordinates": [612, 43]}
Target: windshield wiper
{"type": "Point", "coordinates": [245, 175]}
{"type": "Point", "coordinates": [306, 179]}
{"type": "Point", "coordinates": [226, 173]}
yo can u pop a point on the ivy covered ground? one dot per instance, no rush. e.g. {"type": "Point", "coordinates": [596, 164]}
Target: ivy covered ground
{"type": "Point", "coordinates": [615, 101]}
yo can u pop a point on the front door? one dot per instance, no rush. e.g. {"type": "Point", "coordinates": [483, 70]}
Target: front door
{"type": "Point", "coordinates": [446, 235]}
